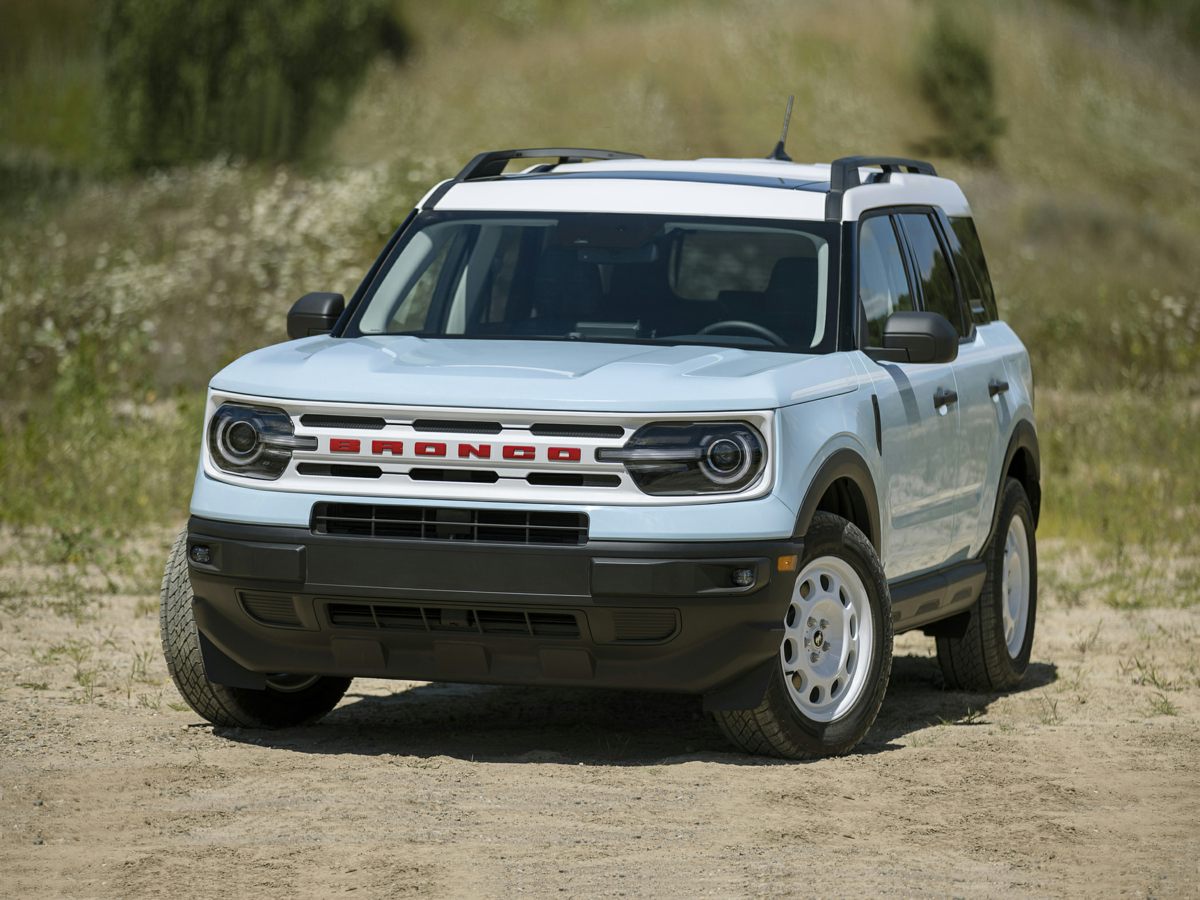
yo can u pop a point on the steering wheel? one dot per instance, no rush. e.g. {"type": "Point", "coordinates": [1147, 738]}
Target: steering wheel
{"type": "Point", "coordinates": [741, 325]}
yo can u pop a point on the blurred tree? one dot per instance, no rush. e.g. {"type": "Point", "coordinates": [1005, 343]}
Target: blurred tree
{"type": "Point", "coordinates": [190, 79]}
{"type": "Point", "coordinates": [954, 73]}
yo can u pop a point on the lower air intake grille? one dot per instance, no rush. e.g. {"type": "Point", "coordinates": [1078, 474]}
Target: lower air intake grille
{"type": "Point", "coordinates": [400, 617]}
{"type": "Point", "coordinates": [271, 609]}
{"type": "Point", "coordinates": [644, 625]}
{"type": "Point", "coordinates": [435, 523]}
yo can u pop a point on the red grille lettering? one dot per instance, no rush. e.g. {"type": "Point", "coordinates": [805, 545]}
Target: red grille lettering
{"type": "Point", "coordinates": [564, 454]}
{"type": "Point", "coordinates": [344, 445]}
{"type": "Point", "coordinates": [479, 451]}
{"type": "Point", "coordinates": [516, 451]}
{"type": "Point", "coordinates": [396, 448]}
{"type": "Point", "coordinates": [429, 448]}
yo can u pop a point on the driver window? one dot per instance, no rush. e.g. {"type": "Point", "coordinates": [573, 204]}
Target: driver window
{"type": "Point", "coordinates": [882, 282]}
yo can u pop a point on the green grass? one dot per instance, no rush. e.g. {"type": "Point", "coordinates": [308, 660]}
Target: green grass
{"type": "Point", "coordinates": [121, 295]}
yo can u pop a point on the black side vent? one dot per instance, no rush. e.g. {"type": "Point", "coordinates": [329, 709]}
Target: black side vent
{"type": "Point", "coordinates": [465, 427]}
{"type": "Point", "coordinates": [474, 476]}
{"type": "Point", "coordinates": [578, 431]}
{"type": "Point", "coordinates": [339, 471]}
{"type": "Point", "coordinates": [270, 609]}
{"type": "Point", "coordinates": [572, 479]}
{"type": "Point", "coordinates": [374, 423]}
{"type": "Point", "coordinates": [400, 617]}
{"type": "Point", "coordinates": [434, 523]}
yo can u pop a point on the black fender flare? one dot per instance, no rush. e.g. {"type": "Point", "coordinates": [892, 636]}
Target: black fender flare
{"type": "Point", "coordinates": [843, 463]}
{"type": "Point", "coordinates": [1024, 437]}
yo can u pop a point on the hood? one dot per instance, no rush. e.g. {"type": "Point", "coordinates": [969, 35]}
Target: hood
{"type": "Point", "coordinates": [518, 374]}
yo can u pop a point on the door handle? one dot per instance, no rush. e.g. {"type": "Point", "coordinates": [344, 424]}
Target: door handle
{"type": "Point", "coordinates": [943, 397]}
{"type": "Point", "coordinates": [996, 386]}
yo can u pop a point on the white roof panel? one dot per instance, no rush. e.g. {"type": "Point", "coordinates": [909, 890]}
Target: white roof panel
{"type": "Point", "coordinates": [618, 195]}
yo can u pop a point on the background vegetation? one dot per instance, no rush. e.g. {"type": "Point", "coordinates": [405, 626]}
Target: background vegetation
{"type": "Point", "coordinates": [146, 241]}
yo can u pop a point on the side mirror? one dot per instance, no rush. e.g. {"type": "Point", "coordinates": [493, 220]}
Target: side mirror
{"type": "Point", "coordinates": [917, 337]}
{"type": "Point", "coordinates": [314, 314]}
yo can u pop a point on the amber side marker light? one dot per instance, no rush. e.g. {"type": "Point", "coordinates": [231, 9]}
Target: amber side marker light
{"type": "Point", "coordinates": [787, 563]}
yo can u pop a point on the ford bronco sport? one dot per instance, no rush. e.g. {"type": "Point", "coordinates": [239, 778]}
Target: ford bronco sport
{"type": "Point", "coordinates": [720, 427]}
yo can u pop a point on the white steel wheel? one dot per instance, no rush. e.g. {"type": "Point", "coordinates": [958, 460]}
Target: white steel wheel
{"type": "Point", "coordinates": [828, 642]}
{"type": "Point", "coordinates": [1014, 586]}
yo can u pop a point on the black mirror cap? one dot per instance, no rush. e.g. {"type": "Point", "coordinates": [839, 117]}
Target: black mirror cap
{"type": "Point", "coordinates": [917, 337]}
{"type": "Point", "coordinates": [314, 313]}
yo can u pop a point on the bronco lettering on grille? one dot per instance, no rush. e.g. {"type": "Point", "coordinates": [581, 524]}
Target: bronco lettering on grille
{"type": "Point", "coordinates": [517, 452]}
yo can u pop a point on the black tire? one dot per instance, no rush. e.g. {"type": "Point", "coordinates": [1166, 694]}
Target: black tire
{"type": "Point", "coordinates": [979, 660]}
{"type": "Point", "coordinates": [777, 727]}
{"type": "Point", "coordinates": [219, 704]}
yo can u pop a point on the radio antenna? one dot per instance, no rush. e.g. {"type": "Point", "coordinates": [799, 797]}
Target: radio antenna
{"type": "Point", "coordinates": [780, 153]}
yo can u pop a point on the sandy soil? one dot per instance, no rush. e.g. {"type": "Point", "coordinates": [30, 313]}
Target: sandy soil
{"type": "Point", "coordinates": [1084, 782]}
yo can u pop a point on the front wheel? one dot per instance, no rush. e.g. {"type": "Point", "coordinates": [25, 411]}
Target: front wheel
{"type": "Point", "coordinates": [287, 700]}
{"type": "Point", "coordinates": [835, 657]}
{"type": "Point", "coordinates": [993, 651]}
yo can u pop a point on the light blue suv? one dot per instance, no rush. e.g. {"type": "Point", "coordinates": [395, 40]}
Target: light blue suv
{"type": "Point", "coordinates": [720, 427]}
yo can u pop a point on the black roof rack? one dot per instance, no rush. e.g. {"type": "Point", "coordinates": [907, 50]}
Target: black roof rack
{"type": "Point", "coordinates": [843, 175]}
{"type": "Point", "coordinates": [491, 164]}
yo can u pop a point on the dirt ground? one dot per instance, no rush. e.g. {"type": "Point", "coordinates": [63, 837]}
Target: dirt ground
{"type": "Point", "coordinates": [1084, 782]}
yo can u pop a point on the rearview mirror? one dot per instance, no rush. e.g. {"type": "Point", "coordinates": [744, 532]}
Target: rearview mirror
{"type": "Point", "coordinates": [314, 313]}
{"type": "Point", "coordinates": [917, 337]}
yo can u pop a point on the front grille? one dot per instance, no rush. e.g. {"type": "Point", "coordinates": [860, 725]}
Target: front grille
{"type": "Point", "coordinates": [339, 471]}
{"type": "Point", "coordinates": [456, 427]}
{"type": "Point", "coordinates": [436, 523]}
{"type": "Point", "coordinates": [415, 617]}
{"type": "Point", "coordinates": [572, 479]}
{"type": "Point", "coordinates": [580, 431]}
{"type": "Point", "coordinates": [372, 423]}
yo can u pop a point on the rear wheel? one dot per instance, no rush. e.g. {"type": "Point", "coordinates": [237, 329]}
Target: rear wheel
{"type": "Point", "coordinates": [993, 651]}
{"type": "Point", "coordinates": [835, 657]}
{"type": "Point", "coordinates": [288, 699]}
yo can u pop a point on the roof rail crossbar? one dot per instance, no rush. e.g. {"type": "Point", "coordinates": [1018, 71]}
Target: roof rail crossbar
{"type": "Point", "coordinates": [843, 175]}
{"type": "Point", "coordinates": [491, 164]}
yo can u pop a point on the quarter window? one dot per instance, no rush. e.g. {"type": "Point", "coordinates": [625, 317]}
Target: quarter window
{"type": "Point", "coordinates": [933, 269]}
{"type": "Point", "coordinates": [971, 264]}
{"type": "Point", "coordinates": [882, 282]}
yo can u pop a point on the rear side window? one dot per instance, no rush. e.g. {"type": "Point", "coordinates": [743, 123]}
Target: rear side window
{"type": "Point", "coordinates": [882, 282]}
{"type": "Point", "coordinates": [971, 264]}
{"type": "Point", "coordinates": [933, 269]}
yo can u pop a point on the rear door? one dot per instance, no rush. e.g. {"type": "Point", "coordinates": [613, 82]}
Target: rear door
{"type": "Point", "coordinates": [984, 408]}
{"type": "Point", "coordinates": [918, 439]}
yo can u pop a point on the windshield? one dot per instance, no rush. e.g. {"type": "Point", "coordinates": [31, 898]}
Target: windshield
{"type": "Point", "coordinates": [606, 277]}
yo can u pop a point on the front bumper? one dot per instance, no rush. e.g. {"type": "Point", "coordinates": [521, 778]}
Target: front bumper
{"type": "Point", "coordinates": [618, 614]}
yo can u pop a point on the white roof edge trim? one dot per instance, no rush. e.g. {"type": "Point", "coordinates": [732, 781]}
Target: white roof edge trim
{"type": "Point", "coordinates": [616, 195]}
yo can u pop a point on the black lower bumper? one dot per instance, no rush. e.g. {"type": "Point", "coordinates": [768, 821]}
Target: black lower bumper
{"type": "Point", "coordinates": [652, 616]}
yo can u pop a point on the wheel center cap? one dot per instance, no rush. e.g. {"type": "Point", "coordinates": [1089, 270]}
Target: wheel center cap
{"type": "Point", "coordinates": [818, 639]}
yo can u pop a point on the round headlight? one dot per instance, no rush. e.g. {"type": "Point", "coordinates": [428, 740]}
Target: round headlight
{"type": "Point", "coordinates": [725, 455]}
{"type": "Point", "coordinates": [241, 438]}
{"type": "Point", "coordinates": [727, 459]}
{"type": "Point", "coordinates": [238, 439]}
{"type": "Point", "coordinates": [254, 441]}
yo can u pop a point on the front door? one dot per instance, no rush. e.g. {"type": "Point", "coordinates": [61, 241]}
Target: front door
{"type": "Point", "coordinates": [919, 430]}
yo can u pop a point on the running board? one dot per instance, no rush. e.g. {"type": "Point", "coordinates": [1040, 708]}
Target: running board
{"type": "Point", "coordinates": [938, 595]}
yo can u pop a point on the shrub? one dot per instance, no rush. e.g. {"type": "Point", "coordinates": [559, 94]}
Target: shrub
{"type": "Point", "coordinates": [191, 79]}
{"type": "Point", "coordinates": [954, 72]}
